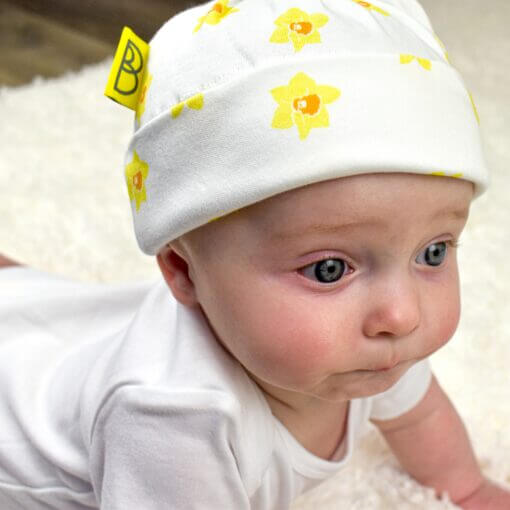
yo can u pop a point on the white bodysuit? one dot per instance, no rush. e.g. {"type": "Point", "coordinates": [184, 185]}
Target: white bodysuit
{"type": "Point", "coordinates": [116, 396]}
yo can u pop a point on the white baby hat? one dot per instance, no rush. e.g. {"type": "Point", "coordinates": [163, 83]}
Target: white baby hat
{"type": "Point", "coordinates": [246, 99]}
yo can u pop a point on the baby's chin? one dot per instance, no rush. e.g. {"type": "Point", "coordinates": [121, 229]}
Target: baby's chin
{"type": "Point", "coordinates": [367, 383]}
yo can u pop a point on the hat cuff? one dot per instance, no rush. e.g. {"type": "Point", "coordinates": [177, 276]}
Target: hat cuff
{"type": "Point", "coordinates": [226, 154]}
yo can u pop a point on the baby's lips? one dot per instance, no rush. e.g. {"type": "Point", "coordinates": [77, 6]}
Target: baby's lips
{"type": "Point", "coordinates": [385, 368]}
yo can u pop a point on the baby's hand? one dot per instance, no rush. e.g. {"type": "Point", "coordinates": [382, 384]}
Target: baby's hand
{"type": "Point", "coordinates": [488, 496]}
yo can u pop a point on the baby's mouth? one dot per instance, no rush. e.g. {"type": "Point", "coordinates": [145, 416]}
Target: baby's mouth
{"type": "Point", "coordinates": [386, 368]}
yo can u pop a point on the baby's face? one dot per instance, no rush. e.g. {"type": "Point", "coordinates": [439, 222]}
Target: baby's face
{"type": "Point", "coordinates": [334, 290]}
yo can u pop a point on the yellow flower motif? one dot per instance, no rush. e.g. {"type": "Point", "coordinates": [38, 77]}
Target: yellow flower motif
{"type": "Point", "coordinates": [218, 11]}
{"type": "Point", "coordinates": [196, 102]}
{"type": "Point", "coordinates": [443, 174]}
{"type": "Point", "coordinates": [369, 6]}
{"type": "Point", "coordinates": [140, 107]}
{"type": "Point", "coordinates": [474, 107]}
{"type": "Point", "coordinates": [444, 48]}
{"type": "Point", "coordinates": [299, 27]}
{"type": "Point", "coordinates": [424, 62]}
{"type": "Point", "coordinates": [136, 174]}
{"type": "Point", "coordinates": [302, 103]}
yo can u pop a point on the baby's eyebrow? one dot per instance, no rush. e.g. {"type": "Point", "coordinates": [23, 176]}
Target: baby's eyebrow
{"type": "Point", "coordinates": [323, 228]}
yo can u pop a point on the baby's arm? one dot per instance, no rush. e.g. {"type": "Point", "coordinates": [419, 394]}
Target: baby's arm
{"type": "Point", "coordinates": [432, 444]}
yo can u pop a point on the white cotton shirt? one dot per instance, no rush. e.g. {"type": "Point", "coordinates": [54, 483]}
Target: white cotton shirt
{"type": "Point", "coordinates": [116, 396]}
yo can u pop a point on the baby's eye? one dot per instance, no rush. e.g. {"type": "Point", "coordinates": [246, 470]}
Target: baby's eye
{"type": "Point", "coordinates": [327, 270]}
{"type": "Point", "coordinates": [435, 253]}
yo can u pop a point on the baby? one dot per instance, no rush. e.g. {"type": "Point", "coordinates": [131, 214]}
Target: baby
{"type": "Point", "coordinates": [302, 171]}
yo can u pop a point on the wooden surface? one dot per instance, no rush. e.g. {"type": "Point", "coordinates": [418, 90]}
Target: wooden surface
{"type": "Point", "coordinates": [50, 37]}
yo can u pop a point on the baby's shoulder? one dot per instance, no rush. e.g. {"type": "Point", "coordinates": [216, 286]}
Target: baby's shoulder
{"type": "Point", "coordinates": [190, 419]}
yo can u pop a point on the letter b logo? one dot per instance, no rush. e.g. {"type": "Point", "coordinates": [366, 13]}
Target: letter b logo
{"type": "Point", "coordinates": [126, 74]}
{"type": "Point", "coordinates": [130, 67]}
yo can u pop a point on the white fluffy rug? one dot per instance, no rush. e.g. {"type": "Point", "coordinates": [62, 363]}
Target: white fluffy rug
{"type": "Point", "coordinates": [64, 208]}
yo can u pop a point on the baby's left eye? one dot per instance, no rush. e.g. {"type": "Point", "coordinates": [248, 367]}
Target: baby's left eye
{"type": "Point", "coordinates": [435, 253]}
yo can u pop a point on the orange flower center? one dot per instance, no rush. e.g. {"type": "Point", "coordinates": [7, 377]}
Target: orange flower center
{"type": "Point", "coordinates": [218, 7]}
{"type": "Point", "coordinates": [364, 4]}
{"type": "Point", "coordinates": [307, 104]}
{"type": "Point", "coordinates": [137, 181]}
{"type": "Point", "coordinates": [303, 27]}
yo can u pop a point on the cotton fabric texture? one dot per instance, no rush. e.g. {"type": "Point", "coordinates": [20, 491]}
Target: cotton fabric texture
{"type": "Point", "coordinates": [242, 100]}
{"type": "Point", "coordinates": [118, 396]}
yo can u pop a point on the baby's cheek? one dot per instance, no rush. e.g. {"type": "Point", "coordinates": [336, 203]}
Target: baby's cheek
{"type": "Point", "coordinates": [295, 351]}
{"type": "Point", "coordinates": [446, 319]}
{"type": "Point", "coordinates": [450, 323]}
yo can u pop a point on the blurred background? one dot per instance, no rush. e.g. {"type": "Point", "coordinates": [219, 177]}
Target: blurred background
{"type": "Point", "coordinates": [50, 37]}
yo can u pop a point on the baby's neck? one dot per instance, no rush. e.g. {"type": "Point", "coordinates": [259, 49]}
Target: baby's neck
{"type": "Point", "coordinates": [319, 432]}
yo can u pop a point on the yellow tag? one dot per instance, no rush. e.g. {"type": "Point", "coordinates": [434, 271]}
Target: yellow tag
{"type": "Point", "coordinates": [129, 64]}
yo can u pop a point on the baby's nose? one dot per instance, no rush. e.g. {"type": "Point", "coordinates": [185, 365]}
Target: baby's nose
{"type": "Point", "coordinates": [393, 311]}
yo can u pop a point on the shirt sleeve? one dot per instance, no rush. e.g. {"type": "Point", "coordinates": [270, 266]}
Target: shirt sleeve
{"type": "Point", "coordinates": [404, 394]}
{"type": "Point", "coordinates": [156, 450]}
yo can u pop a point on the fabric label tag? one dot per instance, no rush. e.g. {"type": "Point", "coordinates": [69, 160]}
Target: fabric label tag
{"type": "Point", "coordinates": [126, 75]}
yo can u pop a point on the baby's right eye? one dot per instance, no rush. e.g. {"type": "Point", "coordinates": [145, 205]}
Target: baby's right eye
{"type": "Point", "coordinates": [328, 270]}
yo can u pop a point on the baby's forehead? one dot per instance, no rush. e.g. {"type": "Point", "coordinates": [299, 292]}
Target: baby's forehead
{"type": "Point", "coordinates": [363, 201]}
{"type": "Point", "coordinates": [355, 195]}
{"type": "Point", "coordinates": [366, 200]}
{"type": "Point", "coordinates": [363, 194]}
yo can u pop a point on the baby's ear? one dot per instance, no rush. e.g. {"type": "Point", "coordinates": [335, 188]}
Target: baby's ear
{"type": "Point", "coordinates": [175, 269]}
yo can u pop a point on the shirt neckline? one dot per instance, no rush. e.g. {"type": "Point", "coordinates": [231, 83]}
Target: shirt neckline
{"type": "Point", "coordinates": [309, 464]}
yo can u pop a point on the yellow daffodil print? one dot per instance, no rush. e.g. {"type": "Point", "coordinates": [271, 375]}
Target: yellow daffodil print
{"type": "Point", "coordinates": [195, 102]}
{"type": "Point", "coordinates": [136, 174]}
{"type": "Point", "coordinates": [370, 7]}
{"type": "Point", "coordinates": [474, 107]}
{"type": "Point", "coordinates": [219, 11]}
{"type": "Point", "coordinates": [424, 62]}
{"type": "Point", "coordinates": [444, 174]}
{"type": "Point", "coordinates": [140, 106]}
{"type": "Point", "coordinates": [299, 27]}
{"type": "Point", "coordinates": [302, 103]}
